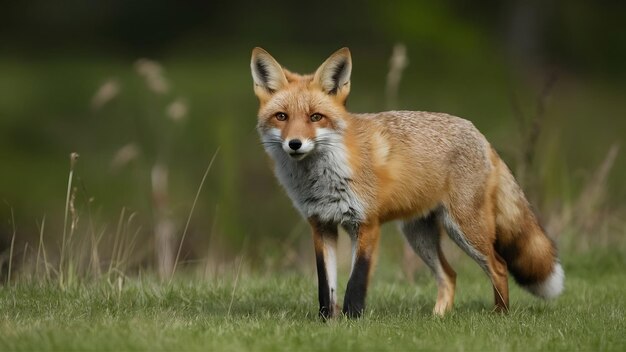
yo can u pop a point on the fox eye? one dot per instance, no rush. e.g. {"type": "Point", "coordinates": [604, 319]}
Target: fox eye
{"type": "Point", "coordinates": [281, 116]}
{"type": "Point", "coordinates": [316, 117]}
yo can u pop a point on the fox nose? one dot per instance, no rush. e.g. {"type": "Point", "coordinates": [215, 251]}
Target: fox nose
{"type": "Point", "coordinates": [295, 144]}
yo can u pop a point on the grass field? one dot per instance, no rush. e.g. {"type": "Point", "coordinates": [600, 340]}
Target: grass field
{"type": "Point", "coordinates": [173, 182]}
{"type": "Point", "coordinates": [279, 312]}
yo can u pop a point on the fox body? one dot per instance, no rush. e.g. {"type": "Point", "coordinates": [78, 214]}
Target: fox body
{"type": "Point", "coordinates": [431, 171]}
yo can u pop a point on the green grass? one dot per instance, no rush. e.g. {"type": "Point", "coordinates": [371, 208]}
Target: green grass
{"type": "Point", "coordinates": [278, 312]}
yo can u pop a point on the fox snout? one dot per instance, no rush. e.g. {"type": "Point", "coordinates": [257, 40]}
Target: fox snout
{"type": "Point", "coordinates": [298, 148]}
{"type": "Point", "coordinates": [295, 144]}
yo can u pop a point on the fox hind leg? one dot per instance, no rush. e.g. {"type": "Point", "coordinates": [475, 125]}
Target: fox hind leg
{"type": "Point", "coordinates": [476, 237]}
{"type": "Point", "coordinates": [500, 279]}
{"type": "Point", "coordinates": [424, 236]}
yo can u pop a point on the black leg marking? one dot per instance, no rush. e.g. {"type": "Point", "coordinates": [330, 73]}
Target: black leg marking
{"type": "Point", "coordinates": [324, 293]}
{"type": "Point", "coordinates": [354, 302]}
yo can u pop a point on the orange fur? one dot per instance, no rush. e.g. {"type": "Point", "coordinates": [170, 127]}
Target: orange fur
{"type": "Point", "coordinates": [407, 165]}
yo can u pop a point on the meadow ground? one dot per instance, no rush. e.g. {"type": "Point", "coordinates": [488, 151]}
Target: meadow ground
{"type": "Point", "coordinates": [278, 312]}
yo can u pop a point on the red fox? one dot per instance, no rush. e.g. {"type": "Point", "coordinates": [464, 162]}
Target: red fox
{"type": "Point", "coordinates": [431, 171]}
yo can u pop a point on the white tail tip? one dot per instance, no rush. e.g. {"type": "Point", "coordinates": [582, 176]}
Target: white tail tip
{"type": "Point", "coordinates": [552, 286]}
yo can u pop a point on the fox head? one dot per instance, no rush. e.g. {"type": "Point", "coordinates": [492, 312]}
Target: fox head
{"type": "Point", "coordinates": [301, 114]}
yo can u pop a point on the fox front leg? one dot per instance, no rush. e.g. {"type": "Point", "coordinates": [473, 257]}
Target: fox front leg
{"type": "Point", "coordinates": [365, 245]}
{"type": "Point", "coordinates": [325, 241]}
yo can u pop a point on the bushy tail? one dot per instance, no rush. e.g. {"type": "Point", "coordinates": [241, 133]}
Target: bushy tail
{"type": "Point", "coordinates": [530, 255]}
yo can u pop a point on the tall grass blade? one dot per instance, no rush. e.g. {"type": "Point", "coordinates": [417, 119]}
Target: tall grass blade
{"type": "Point", "coordinates": [12, 246]}
{"type": "Point", "coordinates": [73, 159]}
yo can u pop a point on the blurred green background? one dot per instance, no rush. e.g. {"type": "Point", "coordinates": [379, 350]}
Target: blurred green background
{"type": "Point", "coordinates": [70, 81]}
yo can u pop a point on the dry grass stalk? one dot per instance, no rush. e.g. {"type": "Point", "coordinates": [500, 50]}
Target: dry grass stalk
{"type": "Point", "coordinates": [129, 249]}
{"type": "Point", "coordinates": [41, 249]}
{"type": "Point", "coordinates": [94, 259]}
{"type": "Point", "coordinates": [152, 72]}
{"type": "Point", "coordinates": [164, 226]}
{"type": "Point", "coordinates": [177, 110]}
{"type": "Point", "coordinates": [123, 249]}
{"type": "Point", "coordinates": [12, 246]}
{"type": "Point", "coordinates": [73, 160]}
{"type": "Point", "coordinates": [105, 93]}
{"type": "Point", "coordinates": [397, 63]}
{"type": "Point", "coordinates": [73, 215]}
{"type": "Point", "coordinates": [125, 155]}
{"type": "Point", "coordinates": [531, 132]}
{"type": "Point", "coordinates": [586, 213]}
{"type": "Point", "coordinates": [116, 239]}
{"type": "Point", "coordinates": [595, 191]}
{"type": "Point", "coordinates": [232, 294]}
{"type": "Point", "coordinates": [209, 260]}
{"type": "Point", "coordinates": [24, 255]}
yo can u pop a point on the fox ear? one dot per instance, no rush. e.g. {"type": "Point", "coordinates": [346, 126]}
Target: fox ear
{"type": "Point", "coordinates": [266, 72]}
{"type": "Point", "coordinates": [334, 74]}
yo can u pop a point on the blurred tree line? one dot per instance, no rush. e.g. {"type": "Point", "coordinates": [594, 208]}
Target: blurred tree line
{"type": "Point", "coordinates": [580, 35]}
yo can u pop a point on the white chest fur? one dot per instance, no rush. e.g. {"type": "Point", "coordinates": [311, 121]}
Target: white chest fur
{"type": "Point", "coordinates": [320, 184]}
